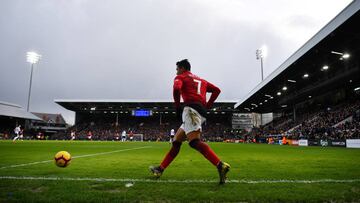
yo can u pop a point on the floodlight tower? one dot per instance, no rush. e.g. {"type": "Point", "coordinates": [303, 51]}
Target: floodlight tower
{"type": "Point", "coordinates": [260, 54]}
{"type": "Point", "coordinates": [32, 58]}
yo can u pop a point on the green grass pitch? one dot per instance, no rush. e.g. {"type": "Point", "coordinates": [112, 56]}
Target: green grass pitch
{"type": "Point", "coordinates": [102, 169]}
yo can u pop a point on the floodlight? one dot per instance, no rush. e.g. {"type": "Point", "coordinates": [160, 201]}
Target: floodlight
{"type": "Point", "coordinates": [325, 67]}
{"type": "Point", "coordinates": [346, 55]}
{"type": "Point", "coordinates": [32, 57]}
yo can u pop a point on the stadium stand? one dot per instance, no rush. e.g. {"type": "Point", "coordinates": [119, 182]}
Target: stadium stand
{"type": "Point", "coordinates": [105, 120]}
{"type": "Point", "coordinates": [315, 93]}
{"type": "Point", "coordinates": [338, 122]}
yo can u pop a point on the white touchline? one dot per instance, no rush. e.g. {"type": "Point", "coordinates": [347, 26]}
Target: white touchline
{"type": "Point", "coordinates": [74, 157]}
{"type": "Point", "coordinates": [175, 181]}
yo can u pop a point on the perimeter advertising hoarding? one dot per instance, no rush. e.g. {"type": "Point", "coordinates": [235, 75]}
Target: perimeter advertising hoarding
{"type": "Point", "coordinates": [353, 143]}
{"type": "Point", "coordinates": [303, 143]}
{"type": "Point", "coordinates": [325, 143]}
{"type": "Point", "coordinates": [337, 143]}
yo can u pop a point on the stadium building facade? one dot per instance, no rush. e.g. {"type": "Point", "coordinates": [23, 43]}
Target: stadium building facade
{"type": "Point", "coordinates": [49, 123]}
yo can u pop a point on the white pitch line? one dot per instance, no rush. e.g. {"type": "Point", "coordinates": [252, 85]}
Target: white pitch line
{"type": "Point", "coordinates": [177, 181]}
{"type": "Point", "coordinates": [74, 157]}
{"type": "Point", "coordinates": [111, 152]}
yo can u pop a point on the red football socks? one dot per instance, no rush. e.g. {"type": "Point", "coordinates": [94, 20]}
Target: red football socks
{"type": "Point", "coordinates": [205, 150]}
{"type": "Point", "coordinates": [170, 156]}
{"type": "Point", "coordinates": [200, 146]}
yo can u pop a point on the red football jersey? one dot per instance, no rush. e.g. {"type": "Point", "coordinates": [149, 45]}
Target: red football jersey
{"type": "Point", "coordinates": [193, 89]}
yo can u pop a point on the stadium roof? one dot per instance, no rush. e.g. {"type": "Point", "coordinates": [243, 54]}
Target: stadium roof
{"type": "Point", "coordinates": [125, 104]}
{"type": "Point", "coordinates": [302, 75]}
{"type": "Point", "coordinates": [14, 110]}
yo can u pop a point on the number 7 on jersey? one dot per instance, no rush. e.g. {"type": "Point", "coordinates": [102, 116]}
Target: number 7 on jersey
{"type": "Point", "coordinates": [198, 85]}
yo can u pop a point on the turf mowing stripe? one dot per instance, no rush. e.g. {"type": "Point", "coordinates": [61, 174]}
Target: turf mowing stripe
{"type": "Point", "coordinates": [74, 157]}
{"type": "Point", "coordinates": [177, 181]}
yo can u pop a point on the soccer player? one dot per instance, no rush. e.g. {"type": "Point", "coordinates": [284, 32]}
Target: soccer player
{"type": "Point", "coordinates": [193, 90]}
{"type": "Point", "coordinates": [89, 135]}
{"type": "Point", "coordinates": [17, 131]}
{"type": "Point", "coordinates": [172, 135]}
{"type": "Point", "coordinates": [117, 136]}
{"type": "Point", "coordinates": [131, 136]}
{"type": "Point", "coordinates": [123, 136]}
{"type": "Point", "coordinates": [72, 134]}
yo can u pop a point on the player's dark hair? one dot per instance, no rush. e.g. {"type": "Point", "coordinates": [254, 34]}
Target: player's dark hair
{"type": "Point", "coordinates": [184, 64]}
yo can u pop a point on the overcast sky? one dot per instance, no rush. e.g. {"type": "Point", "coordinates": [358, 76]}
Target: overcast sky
{"type": "Point", "coordinates": [117, 49]}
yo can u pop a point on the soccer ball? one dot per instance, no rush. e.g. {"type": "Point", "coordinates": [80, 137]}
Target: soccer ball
{"type": "Point", "coordinates": [62, 158]}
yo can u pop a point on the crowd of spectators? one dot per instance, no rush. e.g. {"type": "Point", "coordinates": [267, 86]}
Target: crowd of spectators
{"type": "Point", "coordinates": [329, 123]}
